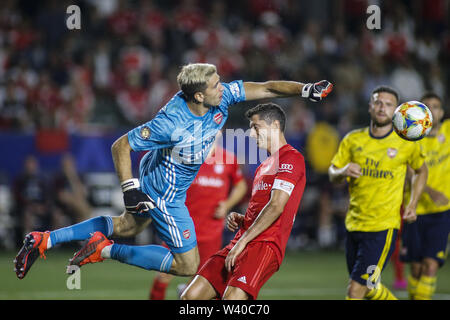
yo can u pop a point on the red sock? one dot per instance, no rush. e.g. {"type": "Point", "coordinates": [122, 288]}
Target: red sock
{"type": "Point", "coordinates": [398, 268]}
{"type": "Point", "coordinates": [398, 265]}
{"type": "Point", "coordinates": [158, 291]}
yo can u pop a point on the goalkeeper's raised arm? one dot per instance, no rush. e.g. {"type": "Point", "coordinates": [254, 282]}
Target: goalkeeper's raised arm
{"type": "Point", "coordinates": [281, 89]}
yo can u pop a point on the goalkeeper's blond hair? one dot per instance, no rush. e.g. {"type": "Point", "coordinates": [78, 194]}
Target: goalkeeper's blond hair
{"type": "Point", "coordinates": [193, 78]}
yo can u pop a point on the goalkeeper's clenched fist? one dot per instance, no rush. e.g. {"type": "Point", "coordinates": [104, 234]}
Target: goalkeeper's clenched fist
{"type": "Point", "coordinates": [135, 200]}
{"type": "Point", "coordinates": [317, 91]}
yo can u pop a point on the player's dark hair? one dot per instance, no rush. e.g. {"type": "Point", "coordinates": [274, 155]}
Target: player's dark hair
{"type": "Point", "coordinates": [431, 95]}
{"type": "Point", "coordinates": [268, 112]}
{"type": "Point", "coordinates": [386, 89]}
{"type": "Point", "coordinates": [189, 90]}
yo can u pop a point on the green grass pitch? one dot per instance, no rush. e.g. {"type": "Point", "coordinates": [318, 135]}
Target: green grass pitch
{"type": "Point", "coordinates": [318, 275]}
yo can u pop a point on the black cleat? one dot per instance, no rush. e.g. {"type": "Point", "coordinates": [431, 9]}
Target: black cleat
{"type": "Point", "coordinates": [34, 245]}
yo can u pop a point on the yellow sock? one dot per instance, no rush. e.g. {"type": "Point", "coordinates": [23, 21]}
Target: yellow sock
{"type": "Point", "coordinates": [412, 286]}
{"type": "Point", "coordinates": [380, 293]}
{"type": "Point", "coordinates": [425, 288]}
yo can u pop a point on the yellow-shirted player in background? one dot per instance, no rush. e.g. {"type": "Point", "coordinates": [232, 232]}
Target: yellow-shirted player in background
{"type": "Point", "coordinates": [425, 241]}
{"type": "Point", "coordinates": [374, 161]}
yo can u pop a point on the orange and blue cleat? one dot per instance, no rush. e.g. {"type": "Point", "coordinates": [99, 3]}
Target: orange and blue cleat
{"type": "Point", "coordinates": [34, 245]}
{"type": "Point", "coordinates": [91, 251]}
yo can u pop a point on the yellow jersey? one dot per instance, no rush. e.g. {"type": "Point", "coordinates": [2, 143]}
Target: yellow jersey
{"type": "Point", "coordinates": [376, 196]}
{"type": "Point", "coordinates": [321, 145]}
{"type": "Point", "coordinates": [437, 157]}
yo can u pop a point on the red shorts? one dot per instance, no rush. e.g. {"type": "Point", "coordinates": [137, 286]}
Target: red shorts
{"type": "Point", "coordinates": [254, 266]}
{"type": "Point", "coordinates": [207, 248]}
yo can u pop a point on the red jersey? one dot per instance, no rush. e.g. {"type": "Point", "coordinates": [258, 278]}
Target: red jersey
{"type": "Point", "coordinates": [212, 184]}
{"type": "Point", "coordinates": [284, 170]}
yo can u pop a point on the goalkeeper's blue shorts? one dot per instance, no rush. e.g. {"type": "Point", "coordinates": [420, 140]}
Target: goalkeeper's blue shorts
{"type": "Point", "coordinates": [173, 225]}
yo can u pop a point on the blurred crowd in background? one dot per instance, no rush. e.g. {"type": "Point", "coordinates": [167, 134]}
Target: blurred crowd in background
{"type": "Point", "coordinates": [120, 68]}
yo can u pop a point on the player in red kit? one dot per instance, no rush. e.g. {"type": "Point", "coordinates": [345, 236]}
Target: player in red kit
{"type": "Point", "coordinates": [239, 270]}
{"type": "Point", "coordinates": [217, 188]}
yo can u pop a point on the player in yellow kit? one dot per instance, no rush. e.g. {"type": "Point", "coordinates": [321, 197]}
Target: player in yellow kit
{"type": "Point", "coordinates": [425, 241]}
{"type": "Point", "coordinates": [374, 162]}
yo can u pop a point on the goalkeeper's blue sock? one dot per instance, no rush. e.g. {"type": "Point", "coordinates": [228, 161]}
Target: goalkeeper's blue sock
{"type": "Point", "coordinates": [82, 230]}
{"type": "Point", "coordinates": [150, 257]}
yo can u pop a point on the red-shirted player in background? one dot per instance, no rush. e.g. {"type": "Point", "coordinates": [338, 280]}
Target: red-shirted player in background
{"type": "Point", "coordinates": [217, 188]}
{"type": "Point", "coordinates": [239, 270]}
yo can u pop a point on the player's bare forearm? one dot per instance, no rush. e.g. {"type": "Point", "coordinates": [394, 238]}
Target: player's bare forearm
{"type": "Point", "coordinates": [237, 193]}
{"type": "Point", "coordinates": [438, 197]}
{"type": "Point", "coordinates": [431, 191]}
{"type": "Point", "coordinates": [120, 151]}
{"type": "Point", "coordinates": [336, 174]}
{"type": "Point", "coordinates": [281, 89]}
{"type": "Point", "coordinates": [418, 184]}
{"type": "Point", "coordinates": [428, 189]}
{"type": "Point", "coordinates": [272, 89]}
{"type": "Point", "coordinates": [264, 220]}
{"type": "Point", "coordinates": [351, 170]}
{"type": "Point", "coordinates": [267, 216]}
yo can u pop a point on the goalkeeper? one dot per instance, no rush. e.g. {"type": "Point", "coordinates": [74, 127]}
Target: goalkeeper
{"type": "Point", "coordinates": [178, 138]}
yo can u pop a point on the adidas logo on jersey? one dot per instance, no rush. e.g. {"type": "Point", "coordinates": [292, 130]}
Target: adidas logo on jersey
{"type": "Point", "coordinates": [242, 279]}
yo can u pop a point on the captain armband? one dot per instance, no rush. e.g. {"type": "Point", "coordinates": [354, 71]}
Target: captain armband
{"type": "Point", "coordinates": [283, 185]}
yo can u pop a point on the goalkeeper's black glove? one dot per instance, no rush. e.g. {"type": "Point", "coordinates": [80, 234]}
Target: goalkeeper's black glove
{"type": "Point", "coordinates": [317, 91]}
{"type": "Point", "coordinates": [135, 200]}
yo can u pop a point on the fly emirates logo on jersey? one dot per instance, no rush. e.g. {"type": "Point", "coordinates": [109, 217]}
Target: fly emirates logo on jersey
{"type": "Point", "coordinates": [193, 149]}
{"type": "Point", "coordinates": [372, 168]}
